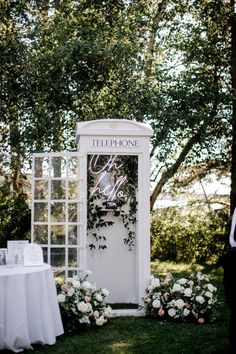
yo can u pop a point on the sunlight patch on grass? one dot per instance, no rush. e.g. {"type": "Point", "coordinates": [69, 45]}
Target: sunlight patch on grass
{"type": "Point", "coordinates": [160, 268]}
{"type": "Point", "coordinates": [121, 347]}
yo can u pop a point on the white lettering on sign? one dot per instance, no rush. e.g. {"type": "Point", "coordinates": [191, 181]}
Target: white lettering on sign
{"type": "Point", "coordinates": [103, 185]}
{"type": "Point", "coordinates": [94, 169]}
{"type": "Point", "coordinates": [115, 143]}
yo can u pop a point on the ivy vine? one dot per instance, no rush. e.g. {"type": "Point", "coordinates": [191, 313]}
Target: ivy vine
{"type": "Point", "coordinates": [124, 208]}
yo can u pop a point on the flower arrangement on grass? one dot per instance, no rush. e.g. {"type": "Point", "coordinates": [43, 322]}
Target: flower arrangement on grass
{"type": "Point", "coordinates": [187, 299]}
{"type": "Point", "coordinates": [82, 304]}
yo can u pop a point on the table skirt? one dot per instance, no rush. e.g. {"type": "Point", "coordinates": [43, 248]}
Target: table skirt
{"type": "Point", "coordinates": [29, 311]}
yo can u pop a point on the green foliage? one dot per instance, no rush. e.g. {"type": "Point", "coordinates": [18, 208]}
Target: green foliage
{"type": "Point", "coordinates": [188, 235]}
{"type": "Point", "coordinates": [98, 213]}
{"type": "Point", "coordinates": [165, 63]}
{"type": "Point", "coordinates": [14, 215]}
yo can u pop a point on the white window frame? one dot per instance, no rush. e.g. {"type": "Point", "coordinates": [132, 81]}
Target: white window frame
{"type": "Point", "coordinates": [81, 201]}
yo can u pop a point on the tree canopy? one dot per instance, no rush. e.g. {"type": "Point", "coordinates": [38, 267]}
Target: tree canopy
{"type": "Point", "coordinates": [164, 62]}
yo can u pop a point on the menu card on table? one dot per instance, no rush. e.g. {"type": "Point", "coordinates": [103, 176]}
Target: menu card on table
{"type": "Point", "coordinates": [33, 255]}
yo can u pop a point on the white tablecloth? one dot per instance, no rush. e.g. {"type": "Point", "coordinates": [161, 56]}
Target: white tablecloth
{"type": "Point", "coordinates": [29, 310]}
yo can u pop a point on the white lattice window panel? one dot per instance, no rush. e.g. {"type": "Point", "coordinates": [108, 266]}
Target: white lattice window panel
{"type": "Point", "coordinates": [59, 210]}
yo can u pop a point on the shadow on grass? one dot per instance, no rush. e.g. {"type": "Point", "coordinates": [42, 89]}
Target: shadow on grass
{"type": "Point", "coordinates": [144, 335]}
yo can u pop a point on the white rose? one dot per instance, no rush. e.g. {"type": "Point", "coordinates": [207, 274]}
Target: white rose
{"type": "Point", "coordinates": [76, 283]}
{"type": "Point", "coordinates": [188, 292]}
{"type": "Point", "coordinates": [179, 303]}
{"type": "Point", "coordinates": [96, 314]}
{"type": "Point", "coordinates": [211, 288]}
{"type": "Point", "coordinates": [150, 288]}
{"type": "Point", "coordinates": [155, 282]}
{"type": "Point", "coordinates": [200, 299]}
{"type": "Point", "coordinates": [182, 281]}
{"type": "Point", "coordinates": [82, 306]}
{"type": "Point", "coordinates": [99, 297]}
{"type": "Point", "coordinates": [208, 294]}
{"type": "Point", "coordinates": [86, 285]}
{"type": "Point", "coordinates": [105, 292]}
{"type": "Point", "coordinates": [100, 321]}
{"type": "Point", "coordinates": [88, 272]}
{"type": "Point", "coordinates": [151, 278]}
{"type": "Point", "coordinates": [70, 291]}
{"type": "Point", "coordinates": [69, 280]}
{"type": "Point", "coordinates": [172, 312]}
{"type": "Point", "coordinates": [200, 276]}
{"type": "Point", "coordinates": [108, 311]}
{"type": "Point", "coordinates": [61, 298]}
{"type": "Point", "coordinates": [89, 307]}
{"type": "Point", "coordinates": [186, 312]}
{"type": "Point", "coordinates": [84, 319]}
{"type": "Point", "coordinates": [176, 287]}
{"type": "Point", "coordinates": [156, 304]}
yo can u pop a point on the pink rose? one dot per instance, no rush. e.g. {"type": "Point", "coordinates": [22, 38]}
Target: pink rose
{"type": "Point", "coordinates": [87, 298]}
{"type": "Point", "coordinates": [64, 288]}
{"type": "Point", "coordinates": [161, 312]}
{"type": "Point", "coordinates": [201, 320]}
{"type": "Point", "coordinates": [167, 279]}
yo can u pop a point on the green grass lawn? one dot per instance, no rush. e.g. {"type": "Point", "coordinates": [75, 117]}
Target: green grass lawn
{"type": "Point", "coordinates": [144, 335]}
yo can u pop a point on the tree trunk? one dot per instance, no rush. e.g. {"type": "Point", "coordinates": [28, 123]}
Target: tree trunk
{"type": "Point", "coordinates": [152, 40]}
{"type": "Point", "coordinates": [169, 173]}
{"type": "Point", "coordinates": [17, 180]}
{"type": "Point", "coordinates": [233, 78]}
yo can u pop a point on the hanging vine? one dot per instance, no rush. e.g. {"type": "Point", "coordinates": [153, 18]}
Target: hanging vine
{"type": "Point", "coordinates": [112, 189]}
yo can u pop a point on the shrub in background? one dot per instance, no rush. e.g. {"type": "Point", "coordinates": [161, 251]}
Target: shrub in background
{"type": "Point", "coordinates": [189, 234]}
{"type": "Point", "coordinates": [15, 215]}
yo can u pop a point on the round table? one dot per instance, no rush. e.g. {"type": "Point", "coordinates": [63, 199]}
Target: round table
{"type": "Point", "coordinates": [29, 310]}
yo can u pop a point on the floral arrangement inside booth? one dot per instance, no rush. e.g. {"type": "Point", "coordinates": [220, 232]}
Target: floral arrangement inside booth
{"type": "Point", "coordinates": [187, 299]}
{"type": "Point", "coordinates": [82, 304]}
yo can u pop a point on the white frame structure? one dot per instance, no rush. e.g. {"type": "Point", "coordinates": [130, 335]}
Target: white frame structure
{"type": "Point", "coordinates": [107, 137]}
{"type": "Point", "coordinates": [44, 179]}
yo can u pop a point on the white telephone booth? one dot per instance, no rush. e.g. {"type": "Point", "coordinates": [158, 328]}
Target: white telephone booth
{"type": "Point", "coordinates": [118, 209]}
{"type": "Point", "coordinates": [90, 208]}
